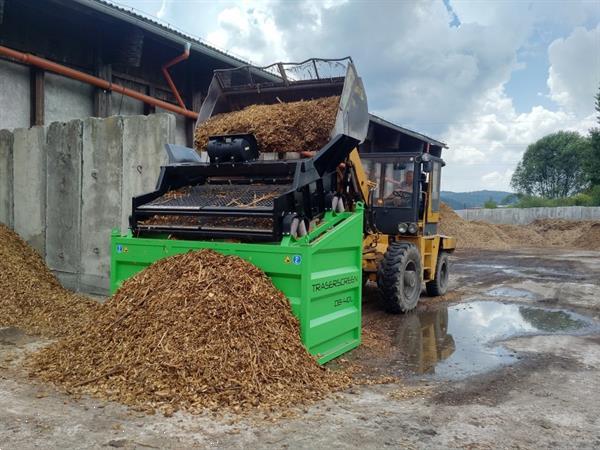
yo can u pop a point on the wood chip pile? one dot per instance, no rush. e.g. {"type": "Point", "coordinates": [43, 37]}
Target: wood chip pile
{"type": "Point", "coordinates": [583, 234]}
{"type": "Point", "coordinates": [193, 331]}
{"type": "Point", "coordinates": [31, 297]}
{"type": "Point", "coordinates": [281, 127]}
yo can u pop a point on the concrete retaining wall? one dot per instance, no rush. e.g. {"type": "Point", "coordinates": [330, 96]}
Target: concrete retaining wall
{"type": "Point", "coordinates": [63, 188]}
{"type": "Point", "coordinates": [522, 216]}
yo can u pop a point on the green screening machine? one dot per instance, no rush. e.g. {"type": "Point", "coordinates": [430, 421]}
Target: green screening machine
{"type": "Point", "coordinates": [283, 215]}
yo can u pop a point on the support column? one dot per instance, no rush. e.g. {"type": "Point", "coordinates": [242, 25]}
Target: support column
{"type": "Point", "coordinates": [36, 115]}
{"type": "Point", "coordinates": [102, 98]}
{"type": "Point", "coordinates": [190, 124]}
{"type": "Point", "coordinates": [150, 109]}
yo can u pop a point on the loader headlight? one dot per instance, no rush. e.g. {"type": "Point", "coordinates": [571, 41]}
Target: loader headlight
{"type": "Point", "coordinates": [402, 228]}
{"type": "Point", "coordinates": [412, 228]}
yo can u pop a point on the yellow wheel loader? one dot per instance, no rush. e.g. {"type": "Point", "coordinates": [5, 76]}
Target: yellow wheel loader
{"type": "Point", "coordinates": [396, 173]}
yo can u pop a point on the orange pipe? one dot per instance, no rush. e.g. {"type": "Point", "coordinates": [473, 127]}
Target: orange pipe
{"type": "Point", "coordinates": [27, 58]}
{"type": "Point", "coordinates": [185, 55]}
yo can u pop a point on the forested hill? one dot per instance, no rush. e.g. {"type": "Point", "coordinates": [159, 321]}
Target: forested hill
{"type": "Point", "coordinates": [475, 199]}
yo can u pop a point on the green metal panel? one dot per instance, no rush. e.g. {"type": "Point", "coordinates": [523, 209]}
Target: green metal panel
{"type": "Point", "coordinates": [320, 274]}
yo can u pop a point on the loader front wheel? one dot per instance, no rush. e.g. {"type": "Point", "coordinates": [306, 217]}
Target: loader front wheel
{"type": "Point", "coordinates": [439, 285]}
{"type": "Point", "coordinates": [399, 278]}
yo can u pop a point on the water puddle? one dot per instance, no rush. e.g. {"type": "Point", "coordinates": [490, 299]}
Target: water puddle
{"type": "Point", "coordinates": [504, 291]}
{"type": "Point", "coordinates": [463, 340]}
{"type": "Point", "coordinates": [14, 336]}
{"type": "Point", "coordinates": [542, 273]}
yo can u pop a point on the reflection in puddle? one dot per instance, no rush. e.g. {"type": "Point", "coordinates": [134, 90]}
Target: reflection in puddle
{"type": "Point", "coordinates": [461, 340]}
{"type": "Point", "coordinates": [423, 340]}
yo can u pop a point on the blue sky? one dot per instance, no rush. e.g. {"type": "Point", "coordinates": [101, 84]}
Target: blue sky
{"type": "Point", "coordinates": [487, 77]}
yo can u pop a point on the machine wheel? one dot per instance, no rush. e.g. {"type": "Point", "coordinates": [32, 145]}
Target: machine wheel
{"type": "Point", "coordinates": [399, 278]}
{"type": "Point", "coordinates": [439, 285]}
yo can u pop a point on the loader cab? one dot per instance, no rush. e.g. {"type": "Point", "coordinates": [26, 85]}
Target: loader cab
{"type": "Point", "coordinates": [404, 169]}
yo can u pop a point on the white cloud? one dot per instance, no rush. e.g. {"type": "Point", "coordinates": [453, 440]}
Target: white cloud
{"type": "Point", "coordinates": [496, 178]}
{"type": "Point", "coordinates": [575, 70]}
{"type": "Point", "coordinates": [162, 10]}
{"type": "Point", "coordinates": [490, 141]}
{"type": "Point", "coordinates": [425, 74]}
{"type": "Point", "coordinates": [249, 32]}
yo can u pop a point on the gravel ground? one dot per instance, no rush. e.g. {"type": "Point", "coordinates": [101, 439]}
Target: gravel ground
{"type": "Point", "coordinates": [546, 395]}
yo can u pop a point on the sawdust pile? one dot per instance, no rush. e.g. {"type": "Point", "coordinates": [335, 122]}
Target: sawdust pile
{"type": "Point", "coordinates": [193, 331]}
{"type": "Point", "coordinates": [539, 233]}
{"type": "Point", "coordinates": [31, 297]}
{"type": "Point", "coordinates": [281, 127]}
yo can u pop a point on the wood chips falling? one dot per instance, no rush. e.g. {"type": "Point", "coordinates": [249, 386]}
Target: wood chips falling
{"type": "Point", "coordinates": [281, 127]}
{"type": "Point", "coordinates": [193, 331]}
{"type": "Point", "coordinates": [31, 297]}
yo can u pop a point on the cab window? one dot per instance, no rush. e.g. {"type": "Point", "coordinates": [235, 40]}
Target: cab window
{"type": "Point", "coordinates": [394, 180]}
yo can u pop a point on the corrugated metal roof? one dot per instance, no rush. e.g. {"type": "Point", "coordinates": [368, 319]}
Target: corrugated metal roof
{"type": "Point", "coordinates": [415, 134]}
{"type": "Point", "coordinates": [160, 28]}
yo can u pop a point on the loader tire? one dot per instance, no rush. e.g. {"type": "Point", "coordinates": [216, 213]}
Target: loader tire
{"type": "Point", "coordinates": [399, 278]}
{"type": "Point", "coordinates": [439, 285]}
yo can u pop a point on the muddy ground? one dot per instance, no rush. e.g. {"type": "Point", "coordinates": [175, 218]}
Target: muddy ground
{"type": "Point", "coordinates": [510, 359]}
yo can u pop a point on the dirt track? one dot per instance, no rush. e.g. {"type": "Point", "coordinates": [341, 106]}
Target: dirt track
{"type": "Point", "coordinates": [544, 392]}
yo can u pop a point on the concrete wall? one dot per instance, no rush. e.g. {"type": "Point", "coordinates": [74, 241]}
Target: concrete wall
{"type": "Point", "coordinates": [180, 131]}
{"type": "Point", "coordinates": [14, 95]}
{"type": "Point", "coordinates": [65, 99]}
{"type": "Point", "coordinates": [65, 186]}
{"type": "Point", "coordinates": [63, 198]}
{"type": "Point", "coordinates": [29, 185]}
{"type": "Point", "coordinates": [6, 177]}
{"type": "Point", "coordinates": [102, 183]}
{"type": "Point", "coordinates": [522, 216]}
{"type": "Point", "coordinates": [122, 105]}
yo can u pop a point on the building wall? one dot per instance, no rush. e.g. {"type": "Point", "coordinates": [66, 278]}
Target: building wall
{"type": "Point", "coordinates": [180, 131]}
{"type": "Point", "coordinates": [64, 99]}
{"type": "Point", "coordinates": [65, 186]}
{"type": "Point", "coordinates": [522, 216]}
{"type": "Point", "coordinates": [14, 95]}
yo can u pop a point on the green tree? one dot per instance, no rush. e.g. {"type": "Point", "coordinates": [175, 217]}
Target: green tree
{"type": "Point", "coordinates": [592, 159]}
{"type": "Point", "coordinates": [598, 104]}
{"type": "Point", "coordinates": [552, 167]}
{"type": "Point", "coordinates": [490, 204]}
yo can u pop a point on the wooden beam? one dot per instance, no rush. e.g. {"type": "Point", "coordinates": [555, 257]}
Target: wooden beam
{"type": "Point", "coordinates": [196, 102]}
{"type": "Point", "coordinates": [150, 109]}
{"type": "Point", "coordinates": [36, 111]}
{"type": "Point", "coordinates": [163, 89]}
{"type": "Point", "coordinates": [102, 98]}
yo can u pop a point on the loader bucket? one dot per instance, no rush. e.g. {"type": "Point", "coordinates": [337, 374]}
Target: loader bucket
{"type": "Point", "coordinates": [235, 89]}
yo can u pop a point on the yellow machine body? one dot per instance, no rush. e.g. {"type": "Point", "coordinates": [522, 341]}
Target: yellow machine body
{"type": "Point", "coordinates": [375, 244]}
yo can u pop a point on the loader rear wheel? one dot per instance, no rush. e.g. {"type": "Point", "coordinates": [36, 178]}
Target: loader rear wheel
{"type": "Point", "coordinates": [399, 278]}
{"type": "Point", "coordinates": [439, 285]}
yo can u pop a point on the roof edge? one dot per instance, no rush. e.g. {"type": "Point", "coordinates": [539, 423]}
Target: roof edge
{"type": "Point", "coordinates": [161, 29]}
{"type": "Point", "coordinates": [415, 134]}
